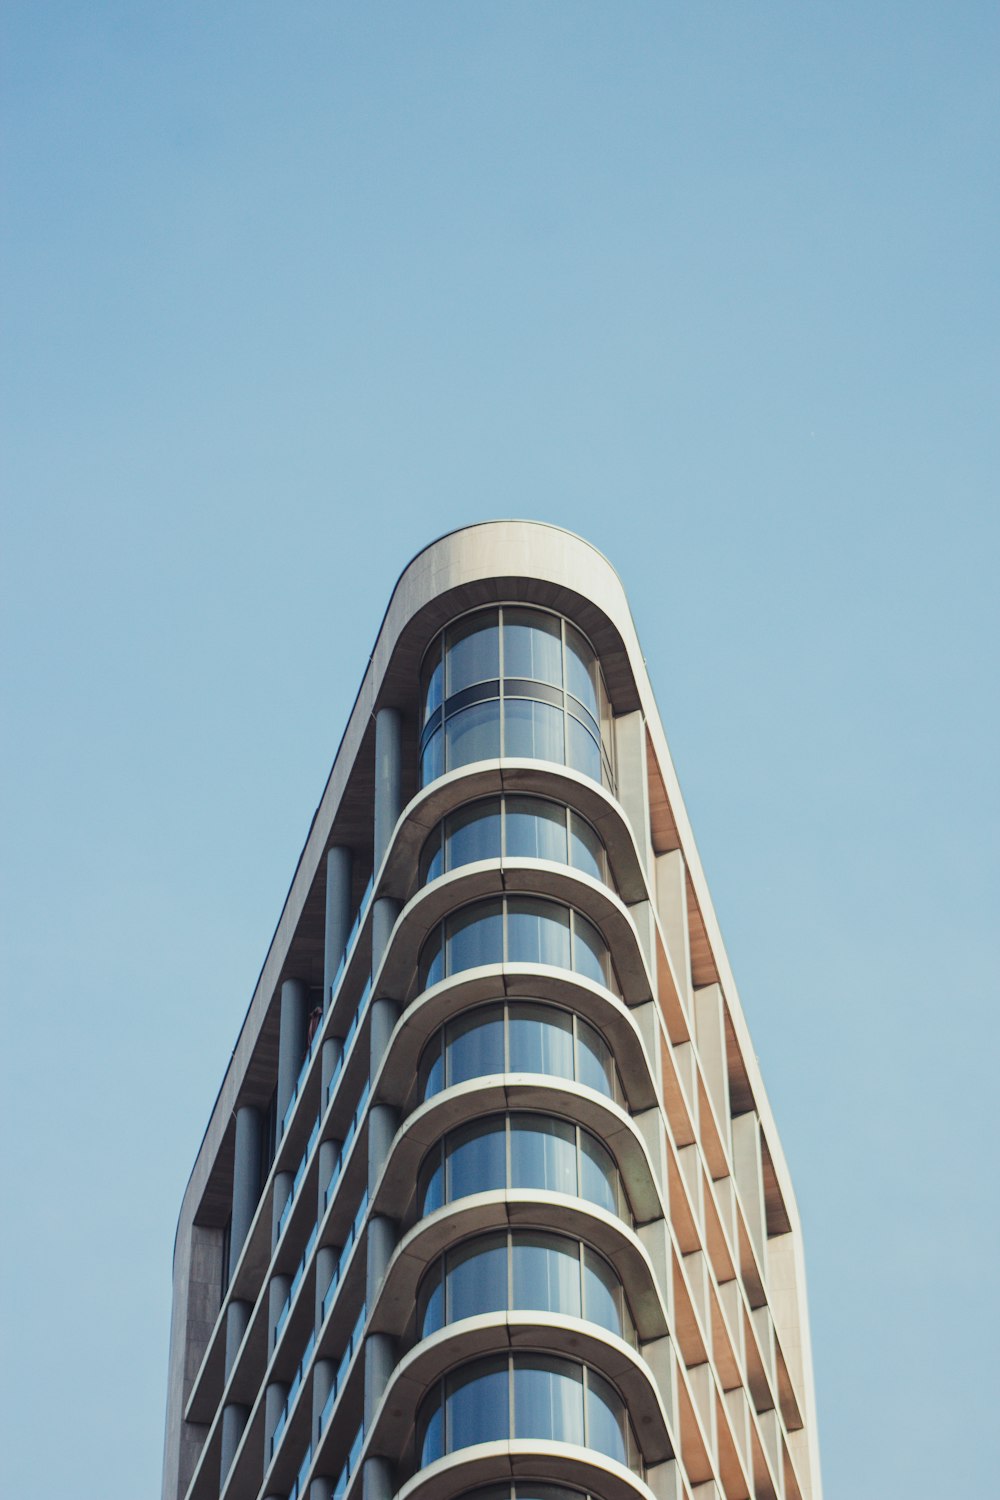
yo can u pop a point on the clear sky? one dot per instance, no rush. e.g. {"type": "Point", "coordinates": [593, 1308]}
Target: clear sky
{"type": "Point", "coordinates": [290, 289]}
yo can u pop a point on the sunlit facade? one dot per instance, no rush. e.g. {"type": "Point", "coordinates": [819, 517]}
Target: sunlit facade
{"type": "Point", "coordinates": [491, 1202]}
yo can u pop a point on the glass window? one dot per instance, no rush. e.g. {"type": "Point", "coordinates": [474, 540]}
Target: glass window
{"type": "Point", "coordinates": [430, 1180]}
{"type": "Point", "coordinates": [431, 966]}
{"type": "Point", "coordinates": [477, 1277]}
{"type": "Point", "coordinates": [432, 856]}
{"type": "Point", "coordinates": [432, 759]}
{"type": "Point", "coordinates": [532, 646]}
{"type": "Point", "coordinates": [583, 752]}
{"type": "Point", "coordinates": [598, 1175]}
{"type": "Point", "coordinates": [535, 829]}
{"type": "Point", "coordinates": [540, 1039]}
{"type": "Point", "coordinates": [430, 1078]}
{"type": "Point", "coordinates": [475, 1045]}
{"type": "Point", "coordinates": [430, 1303]}
{"type": "Point", "coordinates": [582, 676]}
{"type": "Point", "coordinates": [602, 1293]}
{"type": "Point", "coordinates": [432, 678]}
{"type": "Point", "coordinates": [473, 734]}
{"type": "Point", "coordinates": [474, 936]}
{"type": "Point", "coordinates": [477, 1404]}
{"type": "Point", "coordinates": [548, 1399]}
{"type": "Point", "coordinates": [537, 932]}
{"type": "Point", "coordinates": [546, 1274]}
{"type": "Point", "coordinates": [533, 730]}
{"type": "Point", "coordinates": [473, 651]}
{"type": "Point", "coordinates": [589, 950]}
{"type": "Point", "coordinates": [477, 1158]}
{"type": "Point", "coordinates": [605, 1418]}
{"type": "Point", "coordinates": [543, 1154]}
{"type": "Point", "coordinates": [473, 833]}
{"type": "Point", "coordinates": [594, 1063]}
{"type": "Point", "coordinates": [586, 852]}
{"type": "Point", "coordinates": [430, 1429]}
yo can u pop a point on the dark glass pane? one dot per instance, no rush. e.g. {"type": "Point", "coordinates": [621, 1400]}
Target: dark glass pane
{"type": "Point", "coordinates": [430, 1429]}
{"type": "Point", "coordinates": [605, 1418]}
{"type": "Point", "coordinates": [602, 1293]}
{"type": "Point", "coordinates": [586, 852]}
{"type": "Point", "coordinates": [432, 857]}
{"type": "Point", "coordinates": [581, 671]}
{"type": "Point", "coordinates": [548, 1399]}
{"type": "Point", "coordinates": [477, 1158]}
{"type": "Point", "coordinates": [473, 833]}
{"type": "Point", "coordinates": [598, 1174]}
{"type": "Point", "coordinates": [543, 1154]}
{"type": "Point", "coordinates": [474, 936]}
{"type": "Point", "coordinates": [594, 1064]}
{"type": "Point", "coordinates": [475, 1045]}
{"type": "Point", "coordinates": [546, 1273]}
{"type": "Point", "coordinates": [432, 680]}
{"type": "Point", "coordinates": [583, 752]}
{"type": "Point", "coordinates": [531, 1491]}
{"type": "Point", "coordinates": [430, 1182]}
{"type": "Point", "coordinates": [432, 760]}
{"type": "Point", "coordinates": [533, 730]}
{"type": "Point", "coordinates": [473, 651]}
{"type": "Point", "coordinates": [431, 967]}
{"type": "Point", "coordinates": [532, 646]}
{"type": "Point", "coordinates": [536, 829]}
{"type": "Point", "coordinates": [477, 1277]}
{"type": "Point", "coordinates": [537, 932]}
{"type": "Point", "coordinates": [473, 734]}
{"type": "Point", "coordinates": [430, 1303]}
{"type": "Point", "coordinates": [477, 1404]}
{"type": "Point", "coordinates": [540, 1039]}
{"type": "Point", "coordinates": [589, 950]}
{"type": "Point", "coordinates": [430, 1078]}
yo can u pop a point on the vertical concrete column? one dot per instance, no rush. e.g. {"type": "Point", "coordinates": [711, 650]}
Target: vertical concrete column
{"type": "Point", "coordinates": [633, 786]}
{"type": "Point", "coordinates": [247, 1160]}
{"type": "Point", "coordinates": [749, 1174]}
{"type": "Point", "coordinates": [234, 1420]}
{"type": "Point", "coordinates": [388, 777]}
{"type": "Point", "coordinates": [277, 1295]}
{"type": "Point", "coordinates": [329, 1155]}
{"type": "Point", "coordinates": [377, 1482]}
{"type": "Point", "coordinates": [339, 863]}
{"type": "Point", "coordinates": [380, 1361]}
{"type": "Point", "coordinates": [291, 1041]}
{"type": "Point", "coordinates": [274, 1404]}
{"type": "Point", "coordinates": [384, 914]}
{"type": "Point", "coordinates": [237, 1322]}
{"type": "Point", "coordinates": [333, 1049]}
{"type": "Point", "coordinates": [671, 904]}
{"type": "Point", "coordinates": [383, 1121]}
{"type": "Point", "coordinates": [326, 1264]}
{"type": "Point", "coordinates": [385, 1014]}
{"type": "Point", "coordinates": [283, 1183]}
{"type": "Point", "coordinates": [323, 1373]}
{"type": "Point", "coordinates": [383, 1235]}
{"type": "Point", "coordinates": [710, 1038]}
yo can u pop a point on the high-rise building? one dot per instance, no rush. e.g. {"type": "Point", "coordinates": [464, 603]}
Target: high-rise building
{"type": "Point", "coordinates": [491, 1202]}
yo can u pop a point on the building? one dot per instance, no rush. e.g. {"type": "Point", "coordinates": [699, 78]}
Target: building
{"type": "Point", "coordinates": [491, 1202]}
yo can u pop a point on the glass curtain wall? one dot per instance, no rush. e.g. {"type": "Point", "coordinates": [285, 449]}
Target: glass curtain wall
{"type": "Point", "coordinates": [515, 929]}
{"type": "Point", "coordinates": [517, 682]}
{"type": "Point", "coordinates": [513, 828]}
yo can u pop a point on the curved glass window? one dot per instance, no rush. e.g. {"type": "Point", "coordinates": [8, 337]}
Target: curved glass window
{"type": "Point", "coordinates": [525, 1270]}
{"type": "Point", "coordinates": [515, 929]}
{"type": "Point", "coordinates": [538, 1396]}
{"type": "Point", "coordinates": [518, 1036]}
{"type": "Point", "coordinates": [518, 682]}
{"type": "Point", "coordinates": [520, 1150]}
{"type": "Point", "coordinates": [528, 1490]}
{"type": "Point", "coordinates": [515, 828]}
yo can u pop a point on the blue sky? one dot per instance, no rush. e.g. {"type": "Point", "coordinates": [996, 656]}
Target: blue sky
{"type": "Point", "coordinates": [289, 290]}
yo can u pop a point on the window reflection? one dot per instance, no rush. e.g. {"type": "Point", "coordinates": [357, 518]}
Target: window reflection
{"type": "Point", "coordinates": [513, 828]}
{"type": "Point", "coordinates": [515, 929]}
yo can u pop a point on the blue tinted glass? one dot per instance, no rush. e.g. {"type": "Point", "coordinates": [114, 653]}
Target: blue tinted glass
{"type": "Point", "coordinates": [477, 1159]}
{"type": "Point", "coordinates": [589, 950]}
{"type": "Point", "coordinates": [536, 829]}
{"type": "Point", "coordinates": [581, 671]}
{"type": "Point", "coordinates": [431, 1183]}
{"type": "Point", "coordinates": [433, 675]}
{"type": "Point", "coordinates": [432, 1069]}
{"type": "Point", "coordinates": [430, 1304]}
{"type": "Point", "coordinates": [432, 760]}
{"type": "Point", "coordinates": [473, 651]}
{"type": "Point", "coordinates": [605, 1419]}
{"type": "Point", "coordinates": [546, 1273]}
{"type": "Point", "coordinates": [543, 1154]}
{"type": "Point", "coordinates": [537, 932]}
{"type": "Point", "coordinates": [431, 960]}
{"type": "Point", "coordinates": [477, 1277]}
{"type": "Point", "coordinates": [477, 1404]}
{"type": "Point", "coordinates": [540, 1040]}
{"type": "Point", "coordinates": [598, 1176]}
{"type": "Point", "coordinates": [473, 833]}
{"type": "Point", "coordinates": [583, 752]}
{"type": "Point", "coordinates": [548, 1399]}
{"type": "Point", "coordinates": [586, 852]}
{"type": "Point", "coordinates": [601, 1293]}
{"type": "Point", "coordinates": [432, 858]}
{"type": "Point", "coordinates": [532, 646]}
{"type": "Point", "coordinates": [432, 1434]}
{"type": "Point", "coordinates": [473, 734]}
{"type": "Point", "coordinates": [533, 730]}
{"type": "Point", "coordinates": [475, 1045]}
{"type": "Point", "coordinates": [594, 1066]}
{"type": "Point", "coordinates": [475, 936]}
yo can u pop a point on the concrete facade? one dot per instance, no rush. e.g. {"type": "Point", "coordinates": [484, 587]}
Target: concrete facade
{"type": "Point", "coordinates": [473, 1064]}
